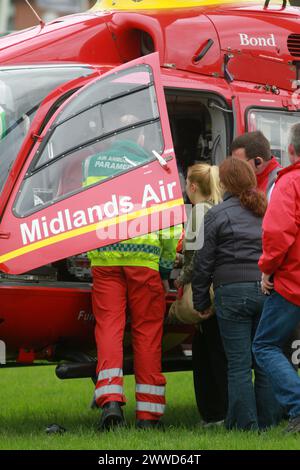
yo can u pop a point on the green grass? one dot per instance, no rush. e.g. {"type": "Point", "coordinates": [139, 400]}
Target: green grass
{"type": "Point", "coordinates": [33, 398]}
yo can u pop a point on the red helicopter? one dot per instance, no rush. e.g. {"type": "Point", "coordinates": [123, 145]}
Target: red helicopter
{"type": "Point", "coordinates": [196, 73]}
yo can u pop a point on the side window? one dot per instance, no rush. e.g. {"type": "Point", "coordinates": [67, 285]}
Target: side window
{"type": "Point", "coordinates": [18, 104]}
{"type": "Point", "coordinates": [110, 127]}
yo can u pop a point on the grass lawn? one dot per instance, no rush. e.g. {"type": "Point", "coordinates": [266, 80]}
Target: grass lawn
{"type": "Point", "coordinates": [33, 398]}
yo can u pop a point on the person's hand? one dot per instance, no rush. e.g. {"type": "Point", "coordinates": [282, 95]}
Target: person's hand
{"type": "Point", "coordinates": [206, 314]}
{"type": "Point", "coordinates": [166, 285]}
{"type": "Point", "coordinates": [177, 284]}
{"type": "Point", "coordinates": [178, 261]}
{"type": "Point", "coordinates": [266, 285]}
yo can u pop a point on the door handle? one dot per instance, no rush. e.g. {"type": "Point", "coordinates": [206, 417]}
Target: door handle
{"type": "Point", "coordinates": [161, 160]}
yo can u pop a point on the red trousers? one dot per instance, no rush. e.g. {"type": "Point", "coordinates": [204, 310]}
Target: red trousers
{"type": "Point", "coordinates": [139, 288]}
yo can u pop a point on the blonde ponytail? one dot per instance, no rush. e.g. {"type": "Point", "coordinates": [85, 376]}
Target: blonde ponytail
{"type": "Point", "coordinates": [206, 177]}
{"type": "Point", "coordinates": [216, 194]}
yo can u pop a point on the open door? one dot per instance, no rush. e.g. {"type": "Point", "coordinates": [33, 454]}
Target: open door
{"type": "Point", "coordinates": [103, 170]}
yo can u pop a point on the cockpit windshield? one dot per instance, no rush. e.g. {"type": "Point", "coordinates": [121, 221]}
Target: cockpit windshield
{"type": "Point", "coordinates": [275, 125]}
{"type": "Point", "coordinates": [22, 89]}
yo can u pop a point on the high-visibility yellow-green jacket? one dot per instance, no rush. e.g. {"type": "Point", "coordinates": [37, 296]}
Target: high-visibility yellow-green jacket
{"type": "Point", "coordinates": [152, 251]}
{"type": "Point", "coordinates": [156, 250]}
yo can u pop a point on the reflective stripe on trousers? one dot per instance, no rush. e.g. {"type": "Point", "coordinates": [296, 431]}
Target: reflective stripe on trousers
{"type": "Point", "coordinates": [150, 389]}
{"type": "Point", "coordinates": [150, 399]}
{"type": "Point", "coordinates": [150, 407]}
{"type": "Point", "coordinates": [109, 374]}
{"type": "Point", "coordinates": [109, 383]}
{"type": "Point", "coordinates": [107, 390]}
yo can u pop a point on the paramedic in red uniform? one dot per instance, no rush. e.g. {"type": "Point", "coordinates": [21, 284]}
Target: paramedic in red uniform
{"type": "Point", "coordinates": [254, 147]}
{"type": "Point", "coordinates": [129, 274]}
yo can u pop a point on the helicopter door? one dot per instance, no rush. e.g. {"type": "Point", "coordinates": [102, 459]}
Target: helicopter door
{"type": "Point", "coordinates": [102, 171]}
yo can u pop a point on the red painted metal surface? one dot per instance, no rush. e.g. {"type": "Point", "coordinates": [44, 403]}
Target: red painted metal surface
{"type": "Point", "coordinates": [21, 254]}
{"type": "Point", "coordinates": [250, 50]}
{"type": "Point", "coordinates": [256, 38]}
{"type": "Point", "coordinates": [34, 131]}
{"type": "Point", "coordinates": [34, 319]}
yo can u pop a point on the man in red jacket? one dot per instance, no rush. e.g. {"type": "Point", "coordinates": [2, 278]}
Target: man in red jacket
{"type": "Point", "coordinates": [281, 260]}
{"type": "Point", "coordinates": [254, 147]}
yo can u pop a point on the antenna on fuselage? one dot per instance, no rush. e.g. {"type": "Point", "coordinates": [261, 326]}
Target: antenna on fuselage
{"type": "Point", "coordinates": [267, 2]}
{"type": "Point", "coordinates": [42, 22]}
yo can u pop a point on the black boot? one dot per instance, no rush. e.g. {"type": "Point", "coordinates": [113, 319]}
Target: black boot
{"type": "Point", "coordinates": [293, 425]}
{"type": "Point", "coordinates": [149, 424]}
{"type": "Point", "coordinates": [111, 417]}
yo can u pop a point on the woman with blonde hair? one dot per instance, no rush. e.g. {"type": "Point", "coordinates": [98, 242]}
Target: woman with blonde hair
{"type": "Point", "coordinates": [228, 258]}
{"type": "Point", "coordinates": [209, 361]}
{"type": "Point", "coordinates": [203, 191]}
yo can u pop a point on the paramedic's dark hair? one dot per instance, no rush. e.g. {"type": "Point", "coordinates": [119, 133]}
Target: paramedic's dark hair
{"type": "Point", "coordinates": [255, 145]}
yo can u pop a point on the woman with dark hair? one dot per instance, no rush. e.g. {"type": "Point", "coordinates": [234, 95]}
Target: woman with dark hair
{"type": "Point", "coordinates": [228, 259]}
